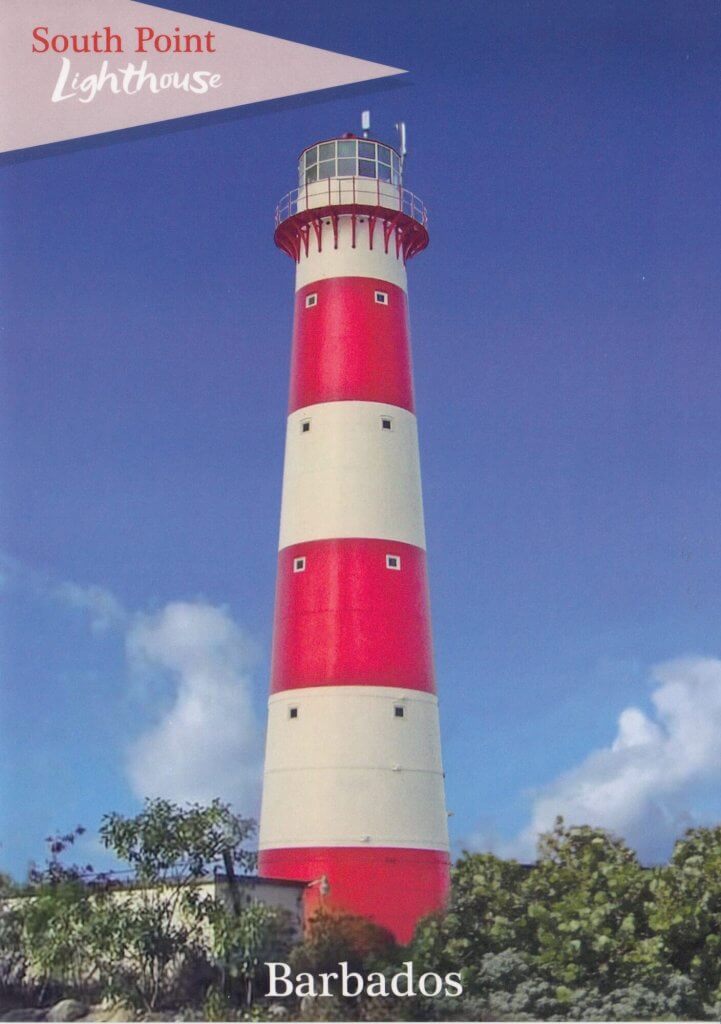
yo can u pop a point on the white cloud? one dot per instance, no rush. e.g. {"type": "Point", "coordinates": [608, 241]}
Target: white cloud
{"type": "Point", "coordinates": [203, 741]}
{"type": "Point", "coordinates": [208, 742]}
{"type": "Point", "coordinates": [103, 608]}
{"type": "Point", "coordinates": [642, 786]}
{"type": "Point", "coordinates": [100, 605]}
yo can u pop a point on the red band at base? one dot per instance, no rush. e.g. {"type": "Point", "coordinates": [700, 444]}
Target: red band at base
{"type": "Point", "coordinates": [393, 887]}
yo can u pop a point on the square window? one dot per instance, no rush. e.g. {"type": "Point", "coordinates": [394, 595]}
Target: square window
{"type": "Point", "coordinates": [311, 300]}
{"type": "Point", "coordinates": [292, 712]}
{"type": "Point", "coordinates": [326, 169]}
{"type": "Point", "coordinates": [311, 175]}
{"type": "Point", "coordinates": [367, 149]}
{"type": "Point", "coordinates": [304, 426]}
{"type": "Point", "coordinates": [393, 561]}
{"type": "Point", "coordinates": [382, 298]}
{"type": "Point", "coordinates": [367, 168]}
{"type": "Point", "coordinates": [327, 150]}
{"type": "Point", "coordinates": [346, 167]}
{"type": "Point", "coordinates": [399, 711]}
{"type": "Point", "coordinates": [299, 564]}
{"type": "Point", "coordinates": [386, 423]}
{"type": "Point", "coordinates": [347, 147]}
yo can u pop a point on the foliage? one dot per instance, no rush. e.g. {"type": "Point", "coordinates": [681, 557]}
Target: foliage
{"type": "Point", "coordinates": [485, 915]}
{"type": "Point", "coordinates": [13, 959]}
{"type": "Point", "coordinates": [333, 936]}
{"type": "Point", "coordinates": [166, 921]}
{"type": "Point", "coordinates": [133, 941]}
{"type": "Point", "coordinates": [686, 911]}
{"type": "Point", "coordinates": [241, 943]}
{"type": "Point", "coordinates": [586, 904]}
{"type": "Point", "coordinates": [52, 922]}
{"type": "Point", "coordinates": [586, 933]}
{"type": "Point", "coordinates": [166, 842]}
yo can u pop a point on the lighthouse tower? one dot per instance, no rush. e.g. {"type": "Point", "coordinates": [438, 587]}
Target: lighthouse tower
{"type": "Point", "coordinates": [353, 798]}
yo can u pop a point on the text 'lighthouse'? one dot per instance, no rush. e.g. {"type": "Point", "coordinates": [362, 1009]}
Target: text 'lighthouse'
{"type": "Point", "coordinates": [353, 796]}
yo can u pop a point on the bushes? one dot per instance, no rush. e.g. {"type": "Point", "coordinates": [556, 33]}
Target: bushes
{"type": "Point", "coordinates": [584, 934]}
{"type": "Point", "coordinates": [141, 943]}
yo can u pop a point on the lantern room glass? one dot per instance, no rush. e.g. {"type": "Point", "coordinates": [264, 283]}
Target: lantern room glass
{"type": "Point", "coordinates": [349, 158]}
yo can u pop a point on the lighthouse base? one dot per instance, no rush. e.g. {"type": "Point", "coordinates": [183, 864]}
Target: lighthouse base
{"type": "Point", "coordinates": [392, 887]}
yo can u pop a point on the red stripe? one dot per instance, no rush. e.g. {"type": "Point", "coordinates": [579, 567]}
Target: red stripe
{"type": "Point", "coordinates": [393, 887]}
{"type": "Point", "coordinates": [349, 620]}
{"type": "Point", "coordinates": [348, 347]}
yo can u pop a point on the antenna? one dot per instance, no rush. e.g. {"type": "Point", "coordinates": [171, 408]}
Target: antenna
{"type": "Point", "coordinates": [366, 122]}
{"type": "Point", "coordinates": [401, 129]}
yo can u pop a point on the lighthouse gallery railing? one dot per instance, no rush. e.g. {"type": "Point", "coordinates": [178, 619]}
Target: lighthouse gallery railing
{"type": "Point", "coordinates": [353, 191]}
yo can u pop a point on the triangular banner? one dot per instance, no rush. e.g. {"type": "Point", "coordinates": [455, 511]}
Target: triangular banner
{"type": "Point", "coordinates": [142, 64]}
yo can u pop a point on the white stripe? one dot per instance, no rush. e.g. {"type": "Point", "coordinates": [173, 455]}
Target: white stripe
{"type": "Point", "coordinates": [348, 477]}
{"type": "Point", "coordinates": [346, 261]}
{"type": "Point", "coordinates": [347, 771]}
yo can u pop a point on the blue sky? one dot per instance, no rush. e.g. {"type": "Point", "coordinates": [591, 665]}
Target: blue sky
{"type": "Point", "coordinates": [565, 324]}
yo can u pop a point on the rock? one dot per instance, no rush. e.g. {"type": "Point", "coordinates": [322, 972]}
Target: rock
{"type": "Point", "coordinates": [25, 1013]}
{"type": "Point", "coordinates": [276, 1011]}
{"type": "Point", "coordinates": [107, 1013]}
{"type": "Point", "coordinates": [67, 1009]}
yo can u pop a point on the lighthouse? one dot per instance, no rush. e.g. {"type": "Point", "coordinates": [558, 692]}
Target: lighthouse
{"type": "Point", "coordinates": [353, 792]}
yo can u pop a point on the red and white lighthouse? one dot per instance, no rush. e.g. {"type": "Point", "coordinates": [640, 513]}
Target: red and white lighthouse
{"type": "Point", "coordinates": [353, 794]}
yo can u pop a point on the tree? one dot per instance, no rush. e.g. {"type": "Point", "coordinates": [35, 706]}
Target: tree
{"type": "Point", "coordinates": [52, 918]}
{"type": "Point", "coordinates": [486, 913]}
{"type": "Point", "coordinates": [587, 903]}
{"type": "Point", "coordinates": [133, 940]}
{"type": "Point", "coordinates": [686, 910]}
{"type": "Point", "coordinates": [242, 941]}
{"type": "Point", "coordinates": [164, 921]}
{"type": "Point", "coordinates": [13, 960]}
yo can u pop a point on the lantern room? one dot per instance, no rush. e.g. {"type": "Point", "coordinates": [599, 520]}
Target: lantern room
{"type": "Point", "coordinates": [349, 157]}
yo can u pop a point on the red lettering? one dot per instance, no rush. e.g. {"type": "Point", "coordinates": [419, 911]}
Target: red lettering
{"type": "Point", "coordinates": [145, 34]}
{"type": "Point", "coordinates": [36, 35]}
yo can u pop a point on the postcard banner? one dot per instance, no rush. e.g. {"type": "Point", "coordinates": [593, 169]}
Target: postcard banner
{"type": "Point", "coordinates": [81, 67]}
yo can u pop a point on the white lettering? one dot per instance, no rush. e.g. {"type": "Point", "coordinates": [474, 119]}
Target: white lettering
{"type": "Point", "coordinates": [406, 976]}
{"type": "Point", "coordinates": [274, 970]}
{"type": "Point", "coordinates": [325, 982]}
{"type": "Point", "coordinates": [453, 986]}
{"type": "Point", "coordinates": [129, 80]}
{"type": "Point", "coordinates": [437, 983]}
{"type": "Point", "coordinates": [376, 984]}
{"type": "Point", "coordinates": [347, 976]}
{"type": "Point", "coordinates": [305, 984]}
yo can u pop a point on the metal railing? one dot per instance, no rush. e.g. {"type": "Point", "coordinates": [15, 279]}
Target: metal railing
{"type": "Point", "coordinates": [350, 191]}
